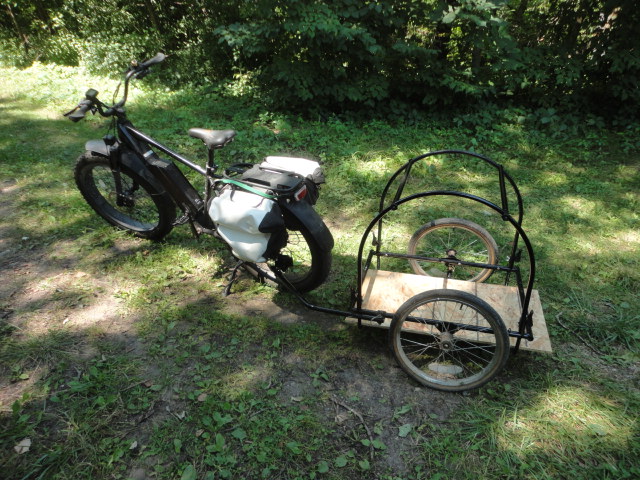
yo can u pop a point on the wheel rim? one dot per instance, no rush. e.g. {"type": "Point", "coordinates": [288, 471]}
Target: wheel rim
{"type": "Point", "coordinates": [438, 354]}
{"type": "Point", "coordinates": [454, 242]}
{"type": "Point", "coordinates": [300, 267]}
{"type": "Point", "coordinates": [138, 210]}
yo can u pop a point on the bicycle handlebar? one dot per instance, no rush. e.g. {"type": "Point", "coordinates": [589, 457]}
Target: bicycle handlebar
{"type": "Point", "coordinates": [79, 112]}
{"type": "Point", "coordinates": [91, 102]}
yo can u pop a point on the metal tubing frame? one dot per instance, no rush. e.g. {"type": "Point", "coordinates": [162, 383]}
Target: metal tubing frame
{"type": "Point", "coordinates": [525, 294]}
{"type": "Point", "coordinates": [524, 326]}
{"type": "Point", "coordinates": [503, 177]}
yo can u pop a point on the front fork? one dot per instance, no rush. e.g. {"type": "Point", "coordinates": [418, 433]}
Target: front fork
{"type": "Point", "coordinates": [122, 199]}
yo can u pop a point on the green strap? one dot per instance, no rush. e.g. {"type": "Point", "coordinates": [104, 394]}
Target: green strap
{"type": "Point", "coordinates": [246, 187]}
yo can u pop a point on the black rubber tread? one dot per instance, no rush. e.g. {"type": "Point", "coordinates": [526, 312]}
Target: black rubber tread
{"type": "Point", "coordinates": [442, 223]}
{"type": "Point", "coordinates": [311, 279]}
{"type": "Point", "coordinates": [458, 354]}
{"type": "Point", "coordinates": [156, 212]}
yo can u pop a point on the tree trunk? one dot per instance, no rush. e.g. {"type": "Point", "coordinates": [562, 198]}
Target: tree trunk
{"type": "Point", "coordinates": [21, 35]}
{"type": "Point", "coordinates": [152, 15]}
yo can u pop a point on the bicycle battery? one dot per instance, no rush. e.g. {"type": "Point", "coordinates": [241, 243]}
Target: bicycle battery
{"type": "Point", "coordinates": [174, 181]}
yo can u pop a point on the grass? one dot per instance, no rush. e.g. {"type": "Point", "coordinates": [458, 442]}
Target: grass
{"type": "Point", "coordinates": [120, 356]}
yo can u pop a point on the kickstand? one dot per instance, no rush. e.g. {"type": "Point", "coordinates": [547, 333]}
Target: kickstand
{"type": "Point", "coordinates": [233, 278]}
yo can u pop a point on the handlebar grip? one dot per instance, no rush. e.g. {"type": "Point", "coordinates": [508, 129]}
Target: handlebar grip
{"type": "Point", "coordinates": [79, 112]}
{"type": "Point", "coordinates": [153, 61]}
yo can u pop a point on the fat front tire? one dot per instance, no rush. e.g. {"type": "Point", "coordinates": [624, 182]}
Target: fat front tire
{"type": "Point", "coordinates": [449, 340]}
{"type": "Point", "coordinates": [310, 263]}
{"type": "Point", "coordinates": [462, 239]}
{"type": "Point", "coordinates": [144, 209]}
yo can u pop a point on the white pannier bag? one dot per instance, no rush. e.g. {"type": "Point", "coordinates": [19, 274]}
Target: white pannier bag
{"type": "Point", "coordinates": [246, 221]}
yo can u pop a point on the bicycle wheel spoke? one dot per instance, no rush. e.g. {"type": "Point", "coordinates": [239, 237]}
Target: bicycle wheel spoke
{"type": "Point", "coordinates": [450, 360]}
{"type": "Point", "coordinates": [417, 346]}
{"type": "Point", "coordinates": [470, 242]}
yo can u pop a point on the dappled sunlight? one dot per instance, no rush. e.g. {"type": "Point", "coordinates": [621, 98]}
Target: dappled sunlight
{"type": "Point", "coordinates": [569, 423]}
{"type": "Point", "coordinates": [627, 240]}
{"type": "Point", "coordinates": [101, 327]}
{"type": "Point", "coordinates": [247, 379]}
{"type": "Point", "coordinates": [579, 206]}
{"type": "Point", "coordinates": [554, 179]}
{"type": "Point", "coordinates": [69, 299]}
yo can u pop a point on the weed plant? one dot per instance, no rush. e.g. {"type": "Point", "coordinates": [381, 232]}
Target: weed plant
{"type": "Point", "coordinates": [192, 391]}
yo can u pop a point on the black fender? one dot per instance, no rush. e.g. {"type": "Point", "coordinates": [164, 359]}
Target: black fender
{"type": "Point", "coordinates": [301, 214]}
{"type": "Point", "coordinates": [127, 158]}
{"type": "Point", "coordinates": [98, 147]}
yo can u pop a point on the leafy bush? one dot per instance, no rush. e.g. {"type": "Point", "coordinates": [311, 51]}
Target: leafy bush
{"type": "Point", "coordinates": [390, 56]}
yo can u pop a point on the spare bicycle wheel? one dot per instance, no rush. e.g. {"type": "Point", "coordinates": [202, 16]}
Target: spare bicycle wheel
{"type": "Point", "coordinates": [453, 238]}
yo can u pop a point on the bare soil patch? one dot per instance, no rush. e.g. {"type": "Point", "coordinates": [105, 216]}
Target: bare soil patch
{"type": "Point", "coordinates": [44, 289]}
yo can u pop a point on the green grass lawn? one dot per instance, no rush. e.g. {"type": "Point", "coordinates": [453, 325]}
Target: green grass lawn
{"type": "Point", "coordinates": [119, 358]}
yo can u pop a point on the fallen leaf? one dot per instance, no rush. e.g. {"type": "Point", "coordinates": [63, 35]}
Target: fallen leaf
{"type": "Point", "coordinates": [341, 418]}
{"type": "Point", "coordinates": [202, 397]}
{"type": "Point", "coordinates": [404, 430]}
{"type": "Point", "coordinates": [23, 446]}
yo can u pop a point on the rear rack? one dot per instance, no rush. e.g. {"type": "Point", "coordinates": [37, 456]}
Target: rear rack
{"type": "Point", "coordinates": [268, 182]}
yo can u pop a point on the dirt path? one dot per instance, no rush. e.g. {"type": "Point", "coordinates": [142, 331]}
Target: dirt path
{"type": "Point", "coordinates": [43, 289]}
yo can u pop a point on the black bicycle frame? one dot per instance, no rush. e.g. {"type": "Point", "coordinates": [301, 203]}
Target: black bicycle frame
{"type": "Point", "coordinates": [168, 174]}
{"type": "Point", "coordinates": [190, 201]}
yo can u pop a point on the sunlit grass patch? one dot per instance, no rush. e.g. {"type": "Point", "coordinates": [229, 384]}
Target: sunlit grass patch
{"type": "Point", "coordinates": [570, 423]}
{"type": "Point", "coordinates": [560, 432]}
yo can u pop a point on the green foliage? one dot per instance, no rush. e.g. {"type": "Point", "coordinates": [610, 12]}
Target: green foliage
{"type": "Point", "coordinates": [392, 56]}
{"type": "Point", "coordinates": [105, 35]}
{"type": "Point", "coordinates": [398, 55]}
{"type": "Point", "coordinates": [317, 53]}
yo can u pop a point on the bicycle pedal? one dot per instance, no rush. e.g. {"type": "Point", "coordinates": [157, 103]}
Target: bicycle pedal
{"type": "Point", "coordinates": [182, 220]}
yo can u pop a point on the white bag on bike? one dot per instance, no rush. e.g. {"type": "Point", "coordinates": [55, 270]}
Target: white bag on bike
{"type": "Point", "coordinates": [246, 221]}
{"type": "Point", "coordinates": [302, 166]}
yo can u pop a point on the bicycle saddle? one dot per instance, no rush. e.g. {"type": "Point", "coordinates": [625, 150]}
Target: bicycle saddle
{"type": "Point", "coordinates": [213, 139]}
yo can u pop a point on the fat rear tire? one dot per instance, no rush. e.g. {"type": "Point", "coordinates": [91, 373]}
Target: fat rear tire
{"type": "Point", "coordinates": [311, 263]}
